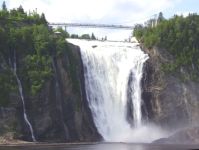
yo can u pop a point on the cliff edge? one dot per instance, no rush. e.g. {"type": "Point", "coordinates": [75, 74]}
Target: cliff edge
{"type": "Point", "coordinates": [59, 111]}
{"type": "Point", "coordinates": [170, 101]}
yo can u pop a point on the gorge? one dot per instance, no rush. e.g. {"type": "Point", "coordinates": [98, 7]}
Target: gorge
{"type": "Point", "coordinates": [116, 93]}
{"type": "Point", "coordinates": [114, 98]}
{"type": "Point", "coordinates": [58, 90]}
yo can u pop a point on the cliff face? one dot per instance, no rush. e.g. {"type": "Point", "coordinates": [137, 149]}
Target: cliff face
{"type": "Point", "coordinates": [170, 102]}
{"type": "Point", "coordinates": [59, 112]}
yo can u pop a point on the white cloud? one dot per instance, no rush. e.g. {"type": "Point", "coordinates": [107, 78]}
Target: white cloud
{"type": "Point", "coordinates": [95, 11]}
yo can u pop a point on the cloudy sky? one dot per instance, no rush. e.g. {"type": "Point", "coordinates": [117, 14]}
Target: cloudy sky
{"type": "Point", "coordinates": [125, 12]}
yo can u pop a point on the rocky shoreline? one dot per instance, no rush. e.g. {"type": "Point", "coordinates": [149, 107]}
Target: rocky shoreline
{"type": "Point", "coordinates": [8, 139]}
{"type": "Point", "coordinates": [183, 136]}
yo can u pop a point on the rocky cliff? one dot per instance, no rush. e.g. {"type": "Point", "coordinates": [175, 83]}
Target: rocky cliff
{"type": "Point", "coordinates": [171, 101]}
{"type": "Point", "coordinates": [186, 136]}
{"type": "Point", "coordinates": [59, 112]}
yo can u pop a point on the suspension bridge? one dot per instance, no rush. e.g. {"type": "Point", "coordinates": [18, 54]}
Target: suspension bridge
{"type": "Point", "coordinates": [84, 25]}
{"type": "Point", "coordinates": [90, 25]}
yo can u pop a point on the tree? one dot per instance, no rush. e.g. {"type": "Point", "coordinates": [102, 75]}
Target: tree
{"type": "Point", "coordinates": [20, 10]}
{"type": "Point", "coordinates": [4, 6]}
{"type": "Point", "coordinates": [93, 37]}
{"type": "Point", "coordinates": [43, 18]}
{"type": "Point", "coordinates": [160, 17]}
{"type": "Point", "coordinates": [85, 36]}
{"type": "Point", "coordinates": [63, 33]}
{"type": "Point", "coordinates": [74, 36]}
{"type": "Point", "coordinates": [138, 31]}
{"type": "Point", "coordinates": [105, 38]}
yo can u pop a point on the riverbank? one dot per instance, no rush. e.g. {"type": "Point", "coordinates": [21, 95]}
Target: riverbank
{"type": "Point", "coordinates": [8, 139]}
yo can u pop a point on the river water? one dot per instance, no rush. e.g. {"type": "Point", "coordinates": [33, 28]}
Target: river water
{"type": "Point", "coordinates": [99, 146]}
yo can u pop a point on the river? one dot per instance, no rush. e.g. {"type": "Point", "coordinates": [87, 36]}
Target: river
{"type": "Point", "coordinates": [98, 146]}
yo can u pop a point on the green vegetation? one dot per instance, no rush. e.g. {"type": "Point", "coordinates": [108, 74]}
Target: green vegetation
{"type": "Point", "coordinates": [179, 36]}
{"type": "Point", "coordinates": [83, 36]}
{"type": "Point", "coordinates": [74, 36]}
{"type": "Point", "coordinates": [62, 32]}
{"type": "Point", "coordinates": [34, 43]}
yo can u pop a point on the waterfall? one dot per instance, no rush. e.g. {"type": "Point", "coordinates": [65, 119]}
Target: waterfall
{"type": "Point", "coordinates": [22, 99]}
{"type": "Point", "coordinates": [186, 101]}
{"type": "Point", "coordinates": [108, 66]}
{"type": "Point", "coordinates": [136, 86]}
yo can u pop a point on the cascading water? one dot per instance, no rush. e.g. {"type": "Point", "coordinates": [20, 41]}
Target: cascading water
{"type": "Point", "coordinates": [22, 99]}
{"type": "Point", "coordinates": [107, 69]}
{"type": "Point", "coordinates": [136, 86]}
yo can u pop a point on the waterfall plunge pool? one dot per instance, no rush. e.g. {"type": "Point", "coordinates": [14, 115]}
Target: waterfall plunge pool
{"type": "Point", "coordinates": [97, 146]}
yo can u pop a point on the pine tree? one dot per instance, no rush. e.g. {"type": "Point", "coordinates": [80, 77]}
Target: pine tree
{"type": "Point", "coordinates": [43, 18]}
{"type": "Point", "coordinates": [21, 10]}
{"type": "Point", "coordinates": [4, 6]}
{"type": "Point", "coordinates": [93, 37]}
{"type": "Point", "coordinates": [160, 17]}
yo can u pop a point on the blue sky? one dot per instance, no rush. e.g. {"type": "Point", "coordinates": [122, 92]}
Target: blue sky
{"type": "Point", "coordinates": [183, 7]}
{"type": "Point", "coordinates": [126, 12]}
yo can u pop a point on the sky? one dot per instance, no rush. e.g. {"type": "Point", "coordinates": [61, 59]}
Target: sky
{"type": "Point", "coordinates": [124, 12]}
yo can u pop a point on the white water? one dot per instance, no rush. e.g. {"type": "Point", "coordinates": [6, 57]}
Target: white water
{"type": "Point", "coordinates": [107, 67]}
{"type": "Point", "coordinates": [22, 99]}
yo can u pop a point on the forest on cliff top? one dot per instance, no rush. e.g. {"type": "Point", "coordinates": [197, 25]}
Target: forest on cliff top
{"type": "Point", "coordinates": [28, 36]}
{"type": "Point", "coordinates": [35, 43]}
{"type": "Point", "coordinates": [179, 36]}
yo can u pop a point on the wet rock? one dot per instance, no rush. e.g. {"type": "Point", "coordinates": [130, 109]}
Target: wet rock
{"type": "Point", "coordinates": [170, 102]}
{"type": "Point", "coordinates": [59, 112]}
{"type": "Point", "coordinates": [184, 136]}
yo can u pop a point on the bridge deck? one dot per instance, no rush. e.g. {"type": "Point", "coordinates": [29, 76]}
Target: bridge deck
{"type": "Point", "coordinates": [92, 25]}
